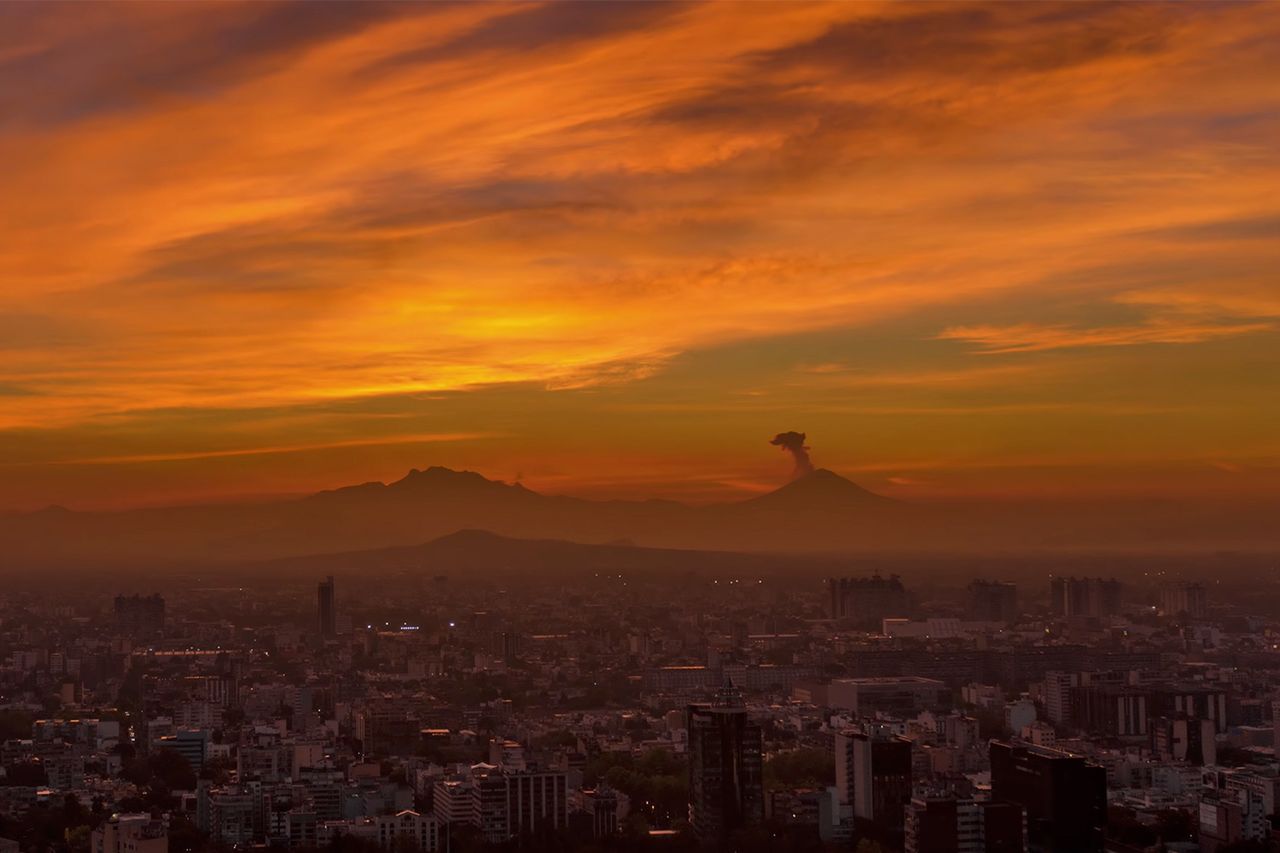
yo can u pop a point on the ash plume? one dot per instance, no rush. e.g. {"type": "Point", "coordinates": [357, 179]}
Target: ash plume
{"type": "Point", "coordinates": [793, 443]}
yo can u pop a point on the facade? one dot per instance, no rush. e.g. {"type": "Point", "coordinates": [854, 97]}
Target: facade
{"type": "Point", "coordinates": [726, 769]}
{"type": "Point", "coordinates": [1064, 797]}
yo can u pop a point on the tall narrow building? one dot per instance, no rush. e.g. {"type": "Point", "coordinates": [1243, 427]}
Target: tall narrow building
{"type": "Point", "coordinates": [726, 768]}
{"type": "Point", "coordinates": [328, 614]}
{"type": "Point", "coordinates": [873, 776]}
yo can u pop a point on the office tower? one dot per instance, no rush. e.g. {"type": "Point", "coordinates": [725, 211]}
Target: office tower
{"type": "Point", "coordinates": [328, 613]}
{"type": "Point", "coordinates": [1064, 797]}
{"type": "Point", "coordinates": [1180, 598]}
{"type": "Point", "coordinates": [993, 601]}
{"type": "Point", "coordinates": [947, 823]}
{"type": "Point", "coordinates": [1084, 596]}
{"type": "Point", "coordinates": [867, 601]}
{"type": "Point", "coordinates": [726, 769]}
{"type": "Point", "coordinates": [140, 617]}
{"type": "Point", "coordinates": [873, 775]}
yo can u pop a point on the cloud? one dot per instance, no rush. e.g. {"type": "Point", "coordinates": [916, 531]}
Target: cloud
{"type": "Point", "coordinates": [1032, 337]}
{"type": "Point", "coordinates": [247, 206]}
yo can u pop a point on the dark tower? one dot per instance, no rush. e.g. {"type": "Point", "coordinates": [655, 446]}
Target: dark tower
{"type": "Point", "coordinates": [328, 615]}
{"type": "Point", "coordinates": [726, 768]}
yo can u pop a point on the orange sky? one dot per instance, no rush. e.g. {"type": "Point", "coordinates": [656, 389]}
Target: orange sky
{"type": "Point", "coordinates": [1015, 248]}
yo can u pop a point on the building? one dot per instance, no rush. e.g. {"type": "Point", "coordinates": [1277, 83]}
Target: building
{"type": "Point", "coordinates": [905, 695]}
{"type": "Point", "coordinates": [408, 830]}
{"type": "Point", "coordinates": [867, 601]}
{"type": "Point", "coordinates": [139, 616]}
{"type": "Point", "coordinates": [599, 809]}
{"type": "Point", "coordinates": [951, 824]}
{"type": "Point", "coordinates": [1116, 710]}
{"type": "Point", "coordinates": [993, 601]}
{"type": "Point", "coordinates": [1230, 817]}
{"type": "Point", "coordinates": [1183, 599]}
{"type": "Point", "coordinates": [1085, 596]}
{"type": "Point", "coordinates": [873, 776]}
{"type": "Point", "coordinates": [191, 744]}
{"type": "Point", "coordinates": [327, 611]}
{"type": "Point", "coordinates": [1064, 797]}
{"type": "Point", "coordinates": [537, 802]}
{"type": "Point", "coordinates": [1057, 695]}
{"type": "Point", "coordinates": [726, 768]}
{"type": "Point", "coordinates": [1184, 738]}
{"type": "Point", "coordinates": [130, 833]}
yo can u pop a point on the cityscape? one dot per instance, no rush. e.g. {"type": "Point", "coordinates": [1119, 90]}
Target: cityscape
{"type": "Point", "coordinates": [640, 426]}
{"type": "Point", "coordinates": [431, 709]}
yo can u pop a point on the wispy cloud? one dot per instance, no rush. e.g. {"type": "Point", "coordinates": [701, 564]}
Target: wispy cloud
{"type": "Point", "coordinates": [1031, 337]}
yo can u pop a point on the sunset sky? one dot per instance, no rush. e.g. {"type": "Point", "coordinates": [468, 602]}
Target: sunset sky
{"type": "Point", "coordinates": [1016, 249]}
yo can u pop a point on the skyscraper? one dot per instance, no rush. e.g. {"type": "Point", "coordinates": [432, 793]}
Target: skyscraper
{"type": "Point", "coordinates": [867, 601]}
{"type": "Point", "coordinates": [1181, 598]}
{"type": "Point", "coordinates": [328, 615]}
{"type": "Point", "coordinates": [726, 768]}
{"type": "Point", "coordinates": [1084, 596]}
{"type": "Point", "coordinates": [1065, 797]}
{"type": "Point", "coordinates": [993, 601]}
{"type": "Point", "coordinates": [873, 775]}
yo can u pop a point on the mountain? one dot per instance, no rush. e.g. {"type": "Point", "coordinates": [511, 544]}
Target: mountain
{"type": "Point", "coordinates": [821, 490]}
{"type": "Point", "coordinates": [423, 505]}
{"type": "Point", "coordinates": [815, 513]}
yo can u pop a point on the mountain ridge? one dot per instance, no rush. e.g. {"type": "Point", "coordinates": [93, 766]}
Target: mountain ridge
{"type": "Point", "coordinates": [818, 512]}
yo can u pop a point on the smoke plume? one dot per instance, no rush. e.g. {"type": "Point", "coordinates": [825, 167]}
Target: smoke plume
{"type": "Point", "coordinates": [793, 443]}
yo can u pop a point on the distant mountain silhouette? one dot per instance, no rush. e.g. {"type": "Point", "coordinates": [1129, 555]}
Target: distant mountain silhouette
{"type": "Point", "coordinates": [822, 490]}
{"type": "Point", "coordinates": [818, 512]}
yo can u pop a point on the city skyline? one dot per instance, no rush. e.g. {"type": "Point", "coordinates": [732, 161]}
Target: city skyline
{"type": "Point", "coordinates": [1014, 251]}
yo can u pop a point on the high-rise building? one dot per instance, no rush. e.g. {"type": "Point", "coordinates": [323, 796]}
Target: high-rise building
{"type": "Point", "coordinates": [867, 601]}
{"type": "Point", "coordinates": [1084, 596]}
{"type": "Point", "coordinates": [873, 775]}
{"type": "Point", "coordinates": [993, 601]}
{"type": "Point", "coordinates": [140, 616]}
{"type": "Point", "coordinates": [726, 768]}
{"type": "Point", "coordinates": [328, 613]}
{"type": "Point", "coordinates": [1181, 598]}
{"type": "Point", "coordinates": [1184, 738]}
{"type": "Point", "coordinates": [1064, 797]}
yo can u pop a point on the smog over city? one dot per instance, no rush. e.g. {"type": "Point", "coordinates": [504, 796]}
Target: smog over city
{"type": "Point", "coordinates": [603, 425]}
